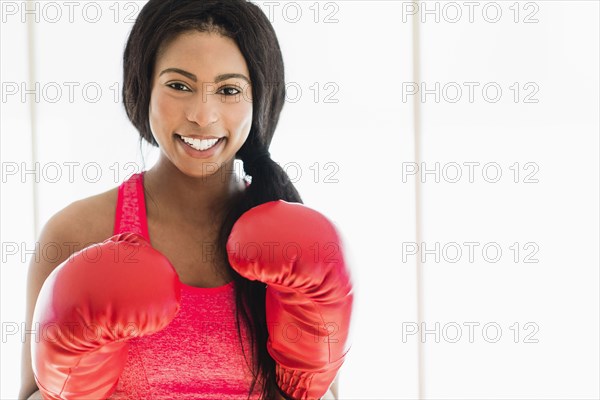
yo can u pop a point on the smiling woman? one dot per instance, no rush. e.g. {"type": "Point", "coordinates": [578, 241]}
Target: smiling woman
{"type": "Point", "coordinates": [180, 307]}
{"type": "Point", "coordinates": [194, 89]}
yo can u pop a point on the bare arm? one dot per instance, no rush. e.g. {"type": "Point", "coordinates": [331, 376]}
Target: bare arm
{"type": "Point", "coordinates": [36, 275]}
{"type": "Point", "coordinates": [35, 396]}
{"type": "Point", "coordinates": [334, 388]}
{"type": "Point", "coordinates": [57, 233]}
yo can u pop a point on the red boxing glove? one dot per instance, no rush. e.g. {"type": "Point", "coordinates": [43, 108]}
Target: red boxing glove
{"type": "Point", "coordinates": [88, 308]}
{"type": "Point", "coordinates": [296, 251]}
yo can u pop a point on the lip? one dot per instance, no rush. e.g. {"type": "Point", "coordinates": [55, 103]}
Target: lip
{"type": "Point", "coordinates": [198, 153]}
{"type": "Point", "coordinates": [200, 136]}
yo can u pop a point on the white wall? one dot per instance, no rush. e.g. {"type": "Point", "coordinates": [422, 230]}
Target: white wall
{"type": "Point", "coordinates": [550, 209]}
{"type": "Point", "coordinates": [373, 133]}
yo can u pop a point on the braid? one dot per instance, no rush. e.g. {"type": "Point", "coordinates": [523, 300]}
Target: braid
{"type": "Point", "coordinates": [251, 162]}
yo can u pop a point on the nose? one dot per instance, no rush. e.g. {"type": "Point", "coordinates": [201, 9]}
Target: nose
{"type": "Point", "coordinates": [204, 107]}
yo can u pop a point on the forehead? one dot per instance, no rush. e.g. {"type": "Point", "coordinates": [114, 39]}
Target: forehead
{"type": "Point", "coordinates": [202, 53]}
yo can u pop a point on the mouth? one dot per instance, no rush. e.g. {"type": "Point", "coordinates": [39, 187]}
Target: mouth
{"type": "Point", "coordinates": [199, 144]}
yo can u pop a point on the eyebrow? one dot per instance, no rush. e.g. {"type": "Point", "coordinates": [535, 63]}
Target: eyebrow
{"type": "Point", "coordinates": [193, 77]}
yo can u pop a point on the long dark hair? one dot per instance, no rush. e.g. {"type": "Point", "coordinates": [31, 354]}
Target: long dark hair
{"type": "Point", "coordinates": [160, 21]}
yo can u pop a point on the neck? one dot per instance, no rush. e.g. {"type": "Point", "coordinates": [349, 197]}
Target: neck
{"type": "Point", "coordinates": [176, 197]}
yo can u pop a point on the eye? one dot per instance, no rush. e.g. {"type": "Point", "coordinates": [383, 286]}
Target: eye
{"type": "Point", "coordinates": [178, 84]}
{"type": "Point", "coordinates": [230, 91]}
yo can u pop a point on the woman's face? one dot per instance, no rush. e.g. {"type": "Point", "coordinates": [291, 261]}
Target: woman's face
{"type": "Point", "coordinates": [200, 93]}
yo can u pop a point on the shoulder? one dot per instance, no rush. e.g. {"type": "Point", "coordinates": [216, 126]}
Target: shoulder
{"type": "Point", "coordinates": [75, 227]}
{"type": "Point", "coordinates": [85, 221]}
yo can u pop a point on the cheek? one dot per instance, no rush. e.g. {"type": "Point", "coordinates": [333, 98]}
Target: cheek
{"type": "Point", "coordinates": [242, 115]}
{"type": "Point", "coordinates": [161, 111]}
{"type": "Point", "coordinates": [160, 106]}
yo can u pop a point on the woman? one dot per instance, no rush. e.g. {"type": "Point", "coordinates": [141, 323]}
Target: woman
{"type": "Point", "coordinates": [233, 292]}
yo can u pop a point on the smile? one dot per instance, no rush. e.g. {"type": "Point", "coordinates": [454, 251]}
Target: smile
{"type": "Point", "coordinates": [199, 144]}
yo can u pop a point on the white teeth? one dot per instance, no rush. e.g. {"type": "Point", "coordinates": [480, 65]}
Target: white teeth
{"type": "Point", "coordinates": [200, 144]}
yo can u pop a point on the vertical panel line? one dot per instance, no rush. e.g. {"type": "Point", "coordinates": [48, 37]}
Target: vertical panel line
{"type": "Point", "coordinates": [33, 119]}
{"type": "Point", "coordinates": [418, 202]}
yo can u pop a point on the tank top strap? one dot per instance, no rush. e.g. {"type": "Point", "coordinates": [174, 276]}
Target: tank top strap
{"type": "Point", "coordinates": [130, 215]}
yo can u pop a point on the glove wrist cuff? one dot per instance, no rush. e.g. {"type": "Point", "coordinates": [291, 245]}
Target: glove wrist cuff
{"type": "Point", "coordinates": [293, 384]}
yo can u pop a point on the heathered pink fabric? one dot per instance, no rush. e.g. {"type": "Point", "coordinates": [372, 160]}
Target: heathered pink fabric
{"type": "Point", "coordinates": [198, 355]}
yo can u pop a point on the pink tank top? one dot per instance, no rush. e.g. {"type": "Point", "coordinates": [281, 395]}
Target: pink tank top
{"type": "Point", "coordinates": [198, 355]}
